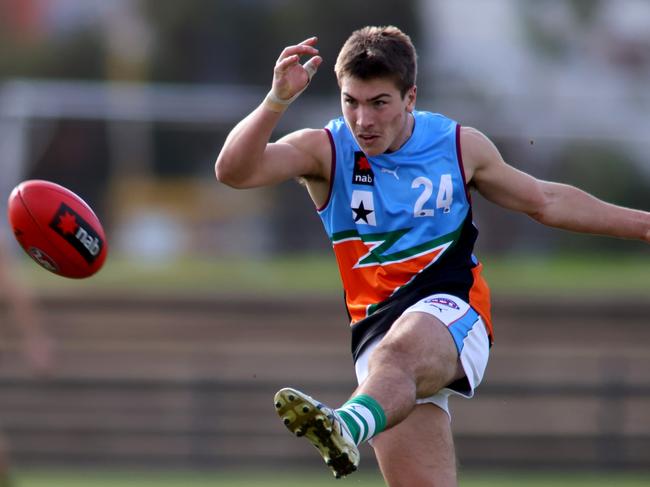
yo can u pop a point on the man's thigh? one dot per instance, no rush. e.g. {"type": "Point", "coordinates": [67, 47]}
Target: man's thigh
{"type": "Point", "coordinates": [440, 340]}
{"type": "Point", "coordinates": [419, 451]}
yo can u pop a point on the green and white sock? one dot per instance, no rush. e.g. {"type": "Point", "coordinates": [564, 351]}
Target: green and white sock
{"type": "Point", "coordinates": [363, 416]}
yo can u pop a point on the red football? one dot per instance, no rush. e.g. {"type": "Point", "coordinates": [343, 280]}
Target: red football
{"type": "Point", "coordinates": [57, 228]}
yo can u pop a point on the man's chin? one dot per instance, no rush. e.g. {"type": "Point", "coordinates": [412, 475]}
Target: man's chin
{"type": "Point", "coordinates": [372, 149]}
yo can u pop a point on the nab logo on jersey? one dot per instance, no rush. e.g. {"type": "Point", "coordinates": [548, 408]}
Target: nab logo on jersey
{"type": "Point", "coordinates": [362, 173]}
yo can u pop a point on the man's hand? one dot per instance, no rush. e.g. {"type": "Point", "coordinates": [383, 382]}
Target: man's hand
{"type": "Point", "coordinates": [290, 78]}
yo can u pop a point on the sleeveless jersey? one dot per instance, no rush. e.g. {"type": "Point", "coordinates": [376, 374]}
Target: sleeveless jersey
{"type": "Point", "coordinates": [401, 225]}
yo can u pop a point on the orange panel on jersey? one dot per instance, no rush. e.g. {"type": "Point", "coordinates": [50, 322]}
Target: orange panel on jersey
{"type": "Point", "coordinates": [479, 298]}
{"type": "Point", "coordinates": [371, 284]}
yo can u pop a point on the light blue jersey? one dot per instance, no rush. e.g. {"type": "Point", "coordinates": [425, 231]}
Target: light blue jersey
{"type": "Point", "coordinates": [402, 220]}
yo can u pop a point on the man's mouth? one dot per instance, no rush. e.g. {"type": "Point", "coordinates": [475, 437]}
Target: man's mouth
{"type": "Point", "coordinates": [367, 137]}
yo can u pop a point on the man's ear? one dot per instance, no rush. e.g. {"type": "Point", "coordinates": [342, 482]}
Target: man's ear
{"type": "Point", "coordinates": [411, 95]}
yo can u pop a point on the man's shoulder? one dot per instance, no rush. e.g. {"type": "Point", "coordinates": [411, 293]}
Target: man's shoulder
{"type": "Point", "coordinates": [336, 125]}
{"type": "Point", "coordinates": [341, 135]}
{"type": "Point", "coordinates": [433, 117]}
{"type": "Point", "coordinates": [308, 140]}
{"type": "Point", "coordinates": [434, 127]}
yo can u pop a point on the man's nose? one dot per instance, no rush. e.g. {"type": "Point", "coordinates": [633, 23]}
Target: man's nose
{"type": "Point", "coordinates": [364, 117]}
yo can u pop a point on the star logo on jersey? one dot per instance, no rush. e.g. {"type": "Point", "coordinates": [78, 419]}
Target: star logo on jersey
{"type": "Point", "coordinates": [362, 173]}
{"type": "Point", "coordinates": [363, 208]}
{"type": "Point", "coordinates": [361, 213]}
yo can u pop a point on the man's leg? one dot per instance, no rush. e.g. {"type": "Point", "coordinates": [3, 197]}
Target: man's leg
{"type": "Point", "coordinates": [415, 359]}
{"type": "Point", "coordinates": [418, 451]}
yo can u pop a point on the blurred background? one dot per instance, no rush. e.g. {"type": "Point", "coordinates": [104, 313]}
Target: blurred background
{"type": "Point", "coordinates": [212, 298]}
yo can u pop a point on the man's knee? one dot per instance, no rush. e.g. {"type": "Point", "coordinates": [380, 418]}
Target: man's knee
{"type": "Point", "coordinates": [430, 365]}
{"type": "Point", "coordinates": [393, 353]}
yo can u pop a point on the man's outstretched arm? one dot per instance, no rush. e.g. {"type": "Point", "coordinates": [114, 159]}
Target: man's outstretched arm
{"type": "Point", "coordinates": [553, 204]}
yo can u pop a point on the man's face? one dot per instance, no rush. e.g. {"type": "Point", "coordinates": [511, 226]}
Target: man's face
{"type": "Point", "coordinates": [376, 113]}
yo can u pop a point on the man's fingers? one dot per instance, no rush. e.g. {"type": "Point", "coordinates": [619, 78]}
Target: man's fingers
{"type": "Point", "coordinates": [304, 48]}
{"type": "Point", "coordinates": [299, 50]}
{"type": "Point", "coordinates": [284, 79]}
{"type": "Point", "coordinates": [310, 41]}
{"type": "Point", "coordinates": [283, 64]}
{"type": "Point", "coordinates": [311, 66]}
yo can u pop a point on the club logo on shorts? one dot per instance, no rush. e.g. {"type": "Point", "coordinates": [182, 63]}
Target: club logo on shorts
{"type": "Point", "coordinates": [362, 173]}
{"type": "Point", "coordinates": [77, 232]}
{"type": "Point", "coordinates": [442, 302]}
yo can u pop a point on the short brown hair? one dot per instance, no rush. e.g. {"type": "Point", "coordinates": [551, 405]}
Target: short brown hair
{"type": "Point", "coordinates": [378, 52]}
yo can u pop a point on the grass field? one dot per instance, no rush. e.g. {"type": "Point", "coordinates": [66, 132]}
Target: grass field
{"type": "Point", "coordinates": [57, 478]}
{"type": "Point", "coordinates": [525, 275]}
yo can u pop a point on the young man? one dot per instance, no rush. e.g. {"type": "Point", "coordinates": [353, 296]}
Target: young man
{"type": "Point", "coordinates": [37, 345]}
{"type": "Point", "coordinates": [391, 185]}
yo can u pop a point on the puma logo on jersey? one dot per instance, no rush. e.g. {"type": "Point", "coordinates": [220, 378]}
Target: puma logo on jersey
{"type": "Point", "coordinates": [391, 171]}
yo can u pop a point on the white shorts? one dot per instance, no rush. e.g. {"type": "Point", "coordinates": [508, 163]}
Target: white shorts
{"type": "Point", "coordinates": [470, 336]}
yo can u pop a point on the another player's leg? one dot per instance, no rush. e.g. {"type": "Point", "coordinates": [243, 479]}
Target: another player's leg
{"type": "Point", "coordinates": [418, 451]}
